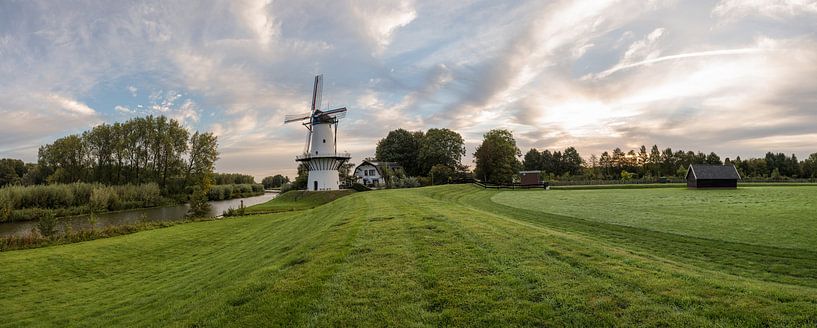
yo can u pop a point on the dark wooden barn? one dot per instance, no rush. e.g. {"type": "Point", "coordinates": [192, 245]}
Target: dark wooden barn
{"type": "Point", "coordinates": [530, 178]}
{"type": "Point", "coordinates": [701, 176]}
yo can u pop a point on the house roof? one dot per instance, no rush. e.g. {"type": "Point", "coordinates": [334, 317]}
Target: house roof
{"type": "Point", "coordinates": [378, 165]}
{"type": "Point", "coordinates": [707, 171]}
{"type": "Point", "coordinates": [382, 164]}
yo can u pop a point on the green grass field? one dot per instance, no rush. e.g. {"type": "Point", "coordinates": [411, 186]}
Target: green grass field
{"type": "Point", "coordinates": [439, 256]}
{"type": "Point", "coordinates": [772, 216]}
{"type": "Point", "coordinates": [297, 200]}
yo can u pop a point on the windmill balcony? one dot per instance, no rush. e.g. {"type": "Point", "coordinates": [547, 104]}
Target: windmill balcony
{"type": "Point", "coordinates": [304, 157]}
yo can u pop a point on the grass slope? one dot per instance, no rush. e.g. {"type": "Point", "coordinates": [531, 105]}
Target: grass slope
{"type": "Point", "coordinates": [297, 200]}
{"type": "Point", "coordinates": [420, 257]}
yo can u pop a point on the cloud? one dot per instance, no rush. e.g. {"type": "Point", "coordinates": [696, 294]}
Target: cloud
{"type": "Point", "coordinates": [70, 105]}
{"type": "Point", "coordinates": [624, 65]}
{"type": "Point", "coordinates": [778, 9]}
{"type": "Point", "coordinates": [124, 109]}
{"type": "Point", "coordinates": [380, 19]}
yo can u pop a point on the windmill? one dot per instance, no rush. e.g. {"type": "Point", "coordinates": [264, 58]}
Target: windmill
{"type": "Point", "coordinates": [321, 148]}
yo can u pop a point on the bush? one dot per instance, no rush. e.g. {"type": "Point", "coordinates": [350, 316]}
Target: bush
{"type": "Point", "coordinates": [99, 200]}
{"type": "Point", "coordinates": [287, 187]}
{"type": "Point", "coordinates": [47, 225]}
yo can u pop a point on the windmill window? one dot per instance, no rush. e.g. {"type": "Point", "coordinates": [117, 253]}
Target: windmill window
{"type": "Point", "coordinates": [324, 140]}
{"type": "Point", "coordinates": [316, 152]}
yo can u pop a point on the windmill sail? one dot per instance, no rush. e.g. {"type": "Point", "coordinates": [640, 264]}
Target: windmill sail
{"type": "Point", "coordinates": [316, 93]}
{"type": "Point", "coordinates": [297, 117]}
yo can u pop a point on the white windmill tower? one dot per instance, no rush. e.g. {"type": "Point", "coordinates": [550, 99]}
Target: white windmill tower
{"type": "Point", "coordinates": [321, 149]}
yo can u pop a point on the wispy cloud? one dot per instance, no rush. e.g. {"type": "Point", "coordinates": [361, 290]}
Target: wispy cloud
{"type": "Point", "coordinates": [725, 52]}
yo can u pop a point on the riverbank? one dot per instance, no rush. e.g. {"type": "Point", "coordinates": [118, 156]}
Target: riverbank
{"type": "Point", "coordinates": [29, 203]}
{"type": "Point", "coordinates": [84, 229]}
{"type": "Point", "coordinates": [130, 217]}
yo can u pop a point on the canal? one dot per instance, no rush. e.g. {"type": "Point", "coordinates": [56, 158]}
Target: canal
{"type": "Point", "coordinates": [153, 214]}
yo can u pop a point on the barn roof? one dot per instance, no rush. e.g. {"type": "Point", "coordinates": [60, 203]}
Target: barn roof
{"type": "Point", "coordinates": [707, 171]}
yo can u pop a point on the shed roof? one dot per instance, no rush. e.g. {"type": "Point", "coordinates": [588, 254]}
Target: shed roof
{"type": "Point", "coordinates": [708, 171]}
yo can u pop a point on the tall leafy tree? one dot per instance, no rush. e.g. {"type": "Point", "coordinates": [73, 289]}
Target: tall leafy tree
{"type": "Point", "coordinates": [572, 161]}
{"type": "Point", "coordinates": [440, 146]}
{"type": "Point", "coordinates": [403, 147]}
{"type": "Point", "coordinates": [203, 156]}
{"type": "Point", "coordinates": [810, 166]}
{"type": "Point", "coordinates": [532, 160]}
{"type": "Point", "coordinates": [496, 158]}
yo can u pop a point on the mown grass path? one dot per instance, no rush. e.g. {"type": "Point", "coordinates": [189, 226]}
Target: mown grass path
{"type": "Point", "coordinates": [422, 257]}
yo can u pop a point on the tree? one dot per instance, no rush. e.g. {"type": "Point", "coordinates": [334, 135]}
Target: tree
{"type": "Point", "coordinates": [441, 174]}
{"type": "Point", "coordinates": [12, 171]}
{"type": "Point", "coordinates": [275, 181]}
{"type": "Point", "coordinates": [655, 160]}
{"type": "Point", "coordinates": [572, 161]}
{"type": "Point", "coordinates": [67, 156]}
{"type": "Point", "coordinates": [643, 157]}
{"type": "Point", "coordinates": [203, 156]}
{"type": "Point", "coordinates": [496, 158]}
{"type": "Point", "coordinates": [713, 159]}
{"type": "Point", "coordinates": [346, 174]}
{"type": "Point", "coordinates": [606, 164]}
{"type": "Point", "coordinates": [440, 146]}
{"type": "Point", "coordinates": [809, 166]}
{"type": "Point", "coordinates": [532, 160]}
{"type": "Point", "coordinates": [403, 147]}
{"type": "Point", "coordinates": [303, 177]}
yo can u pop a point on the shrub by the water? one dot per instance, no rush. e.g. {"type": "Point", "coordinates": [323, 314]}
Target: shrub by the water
{"type": "Point", "coordinates": [19, 203]}
{"type": "Point", "coordinates": [47, 225]}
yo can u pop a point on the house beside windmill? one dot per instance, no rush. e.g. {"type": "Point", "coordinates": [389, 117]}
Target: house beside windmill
{"type": "Point", "coordinates": [701, 176]}
{"type": "Point", "coordinates": [321, 148]}
{"type": "Point", "coordinates": [374, 173]}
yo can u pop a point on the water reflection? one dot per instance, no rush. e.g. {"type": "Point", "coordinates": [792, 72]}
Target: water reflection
{"type": "Point", "coordinates": [165, 213]}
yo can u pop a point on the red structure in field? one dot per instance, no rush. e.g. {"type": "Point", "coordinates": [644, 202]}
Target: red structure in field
{"type": "Point", "coordinates": [530, 178]}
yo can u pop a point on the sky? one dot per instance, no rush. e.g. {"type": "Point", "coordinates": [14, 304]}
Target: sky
{"type": "Point", "coordinates": [733, 77]}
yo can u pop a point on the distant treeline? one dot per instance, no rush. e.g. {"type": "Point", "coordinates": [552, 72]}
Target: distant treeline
{"type": "Point", "coordinates": [497, 162]}
{"type": "Point", "coordinates": [230, 191]}
{"type": "Point", "coordinates": [233, 178]}
{"type": "Point", "coordinates": [643, 163]}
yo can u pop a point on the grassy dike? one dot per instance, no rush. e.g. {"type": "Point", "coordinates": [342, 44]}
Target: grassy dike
{"type": "Point", "coordinates": [297, 200]}
{"type": "Point", "coordinates": [434, 256]}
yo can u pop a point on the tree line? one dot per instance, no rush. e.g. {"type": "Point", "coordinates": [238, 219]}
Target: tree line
{"type": "Point", "coordinates": [438, 153]}
{"type": "Point", "coordinates": [497, 161]}
{"type": "Point", "coordinates": [140, 151]}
